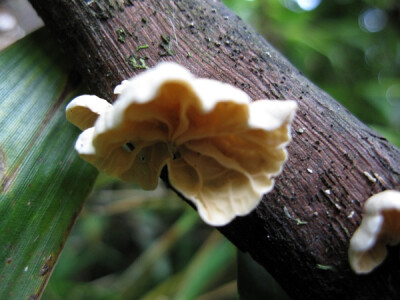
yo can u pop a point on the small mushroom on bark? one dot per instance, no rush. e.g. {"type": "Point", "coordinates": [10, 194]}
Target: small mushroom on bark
{"type": "Point", "coordinates": [221, 149]}
{"type": "Point", "coordinates": [380, 227]}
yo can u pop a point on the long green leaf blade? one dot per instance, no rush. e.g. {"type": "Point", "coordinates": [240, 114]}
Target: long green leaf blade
{"type": "Point", "coordinates": [42, 181]}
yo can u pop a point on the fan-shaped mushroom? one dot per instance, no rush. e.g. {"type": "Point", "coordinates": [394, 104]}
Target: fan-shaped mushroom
{"type": "Point", "coordinates": [222, 151]}
{"type": "Point", "coordinates": [380, 227]}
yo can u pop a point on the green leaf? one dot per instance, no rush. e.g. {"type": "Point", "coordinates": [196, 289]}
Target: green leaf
{"type": "Point", "coordinates": [212, 259]}
{"type": "Point", "coordinates": [43, 182]}
{"type": "Point", "coordinates": [209, 262]}
{"type": "Point", "coordinates": [135, 278]}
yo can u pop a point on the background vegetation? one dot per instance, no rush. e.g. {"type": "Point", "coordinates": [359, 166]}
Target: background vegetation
{"type": "Point", "coordinates": [349, 48]}
{"type": "Point", "coordinates": [122, 243]}
{"type": "Point", "coordinates": [130, 244]}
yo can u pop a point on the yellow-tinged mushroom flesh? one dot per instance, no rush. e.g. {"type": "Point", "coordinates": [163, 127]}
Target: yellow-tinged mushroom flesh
{"type": "Point", "coordinates": [380, 227]}
{"type": "Point", "coordinates": [221, 149]}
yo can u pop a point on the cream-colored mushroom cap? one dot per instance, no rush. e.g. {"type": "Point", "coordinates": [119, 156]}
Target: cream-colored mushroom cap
{"type": "Point", "coordinates": [380, 227]}
{"type": "Point", "coordinates": [84, 110]}
{"type": "Point", "coordinates": [222, 151]}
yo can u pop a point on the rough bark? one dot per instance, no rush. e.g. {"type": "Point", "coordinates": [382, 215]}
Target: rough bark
{"type": "Point", "coordinates": [300, 233]}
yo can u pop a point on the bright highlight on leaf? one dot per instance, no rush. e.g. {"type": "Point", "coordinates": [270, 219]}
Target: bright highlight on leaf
{"type": "Point", "coordinates": [222, 151]}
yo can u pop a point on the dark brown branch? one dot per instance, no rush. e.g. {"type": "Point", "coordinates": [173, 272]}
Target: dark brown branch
{"type": "Point", "coordinates": [300, 232]}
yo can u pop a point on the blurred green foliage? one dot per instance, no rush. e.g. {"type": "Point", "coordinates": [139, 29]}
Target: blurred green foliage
{"type": "Point", "coordinates": [349, 48]}
{"type": "Point", "coordinates": [130, 244]}
{"type": "Point", "coordinates": [134, 244]}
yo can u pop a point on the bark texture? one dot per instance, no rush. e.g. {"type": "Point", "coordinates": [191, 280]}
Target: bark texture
{"type": "Point", "coordinates": [300, 232]}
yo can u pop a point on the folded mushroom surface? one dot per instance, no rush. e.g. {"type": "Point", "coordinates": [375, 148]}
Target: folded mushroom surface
{"type": "Point", "coordinates": [221, 149]}
{"type": "Point", "coordinates": [379, 228]}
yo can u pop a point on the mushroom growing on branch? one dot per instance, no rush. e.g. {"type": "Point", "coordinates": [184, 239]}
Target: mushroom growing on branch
{"type": "Point", "coordinates": [380, 227]}
{"type": "Point", "coordinates": [221, 149]}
